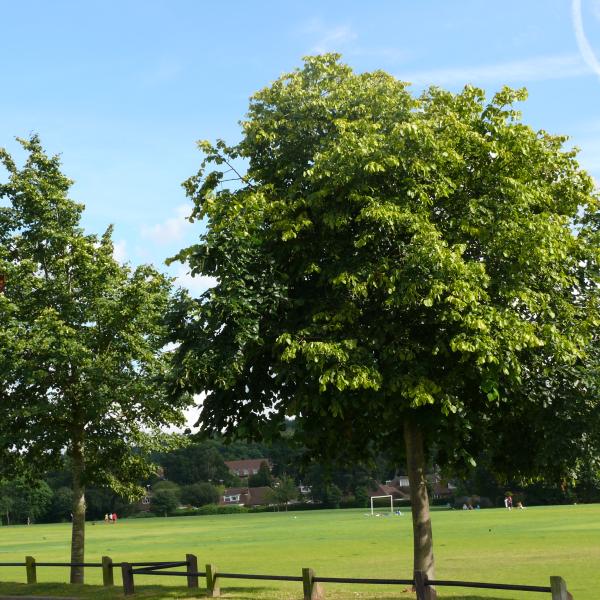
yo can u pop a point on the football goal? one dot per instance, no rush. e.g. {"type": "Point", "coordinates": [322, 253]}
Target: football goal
{"type": "Point", "coordinates": [378, 497]}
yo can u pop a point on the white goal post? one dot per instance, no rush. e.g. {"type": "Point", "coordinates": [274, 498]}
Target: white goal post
{"type": "Point", "coordinates": [386, 496]}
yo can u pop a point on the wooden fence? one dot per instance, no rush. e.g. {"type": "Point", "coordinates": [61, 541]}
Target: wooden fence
{"type": "Point", "coordinates": [312, 590]}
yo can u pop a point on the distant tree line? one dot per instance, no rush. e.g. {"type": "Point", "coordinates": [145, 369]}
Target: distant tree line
{"type": "Point", "coordinates": [196, 475]}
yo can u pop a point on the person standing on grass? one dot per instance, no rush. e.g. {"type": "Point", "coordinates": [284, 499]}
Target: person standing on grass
{"type": "Point", "coordinates": [114, 517]}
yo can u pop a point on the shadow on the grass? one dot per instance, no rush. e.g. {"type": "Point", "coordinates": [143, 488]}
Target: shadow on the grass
{"type": "Point", "coordinates": [269, 593]}
{"type": "Point", "coordinates": [96, 592]}
{"type": "Point", "coordinates": [442, 597]}
{"type": "Point", "coordinates": [158, 592]}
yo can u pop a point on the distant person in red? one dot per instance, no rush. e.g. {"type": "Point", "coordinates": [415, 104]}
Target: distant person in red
{"type": "Point", "coordinates": [114, 517]}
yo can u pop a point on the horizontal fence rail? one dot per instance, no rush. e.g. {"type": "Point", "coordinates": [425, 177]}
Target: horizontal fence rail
{"type": "Point", "coordinates": [66, 564]}
{"type": "Point", "coordinates": [363, 580]}
{"type": "Point", "coordinates": [491, 586]}
{"type": "Point", "coordinates": [259, 577]}
{"type": "Point", "coordinates": [154, 566]}
{"type": "Point", "coordinates": [310, 581]}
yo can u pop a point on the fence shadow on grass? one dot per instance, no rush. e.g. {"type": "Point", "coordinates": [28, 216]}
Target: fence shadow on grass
{"type": "Point", "coordinates": [278, 594]}
{"type": "Point", "coordinates": [164, 592]}
{"type": "Point", "coordinates": [152, 592]}
{"type": "Point", "coordinates": [96, 592]}
{"type": "Point", "coordinates": [442, 597]}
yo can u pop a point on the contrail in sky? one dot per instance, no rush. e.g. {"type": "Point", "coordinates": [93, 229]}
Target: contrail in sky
{"type": "Point", "coordinates": [584, 46]}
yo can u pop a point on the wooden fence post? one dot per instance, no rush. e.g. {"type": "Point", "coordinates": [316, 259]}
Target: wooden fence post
{"type": "Point", "coordinates": [192, 567]}
{"type": "Point", "coordinates": [213, 589]}
{"type": "Point", "coordinates": [127, 573]}
{"type": "Point", "coordinates": [107, 571]}
{"type": "Point", "coordinates": [559, 589]}
{"type": "Point", "coordinates": [308, 576]}
{"type": "Point", "coordinates": [30, 568]}
{"type": "Point", "coordinates": [312, 590]}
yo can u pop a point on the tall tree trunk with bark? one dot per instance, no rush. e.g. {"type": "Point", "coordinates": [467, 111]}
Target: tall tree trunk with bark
{"type": "Point", "coordinates": [78, 527]}
{"type": "Point", "coordinates": [419, 498]}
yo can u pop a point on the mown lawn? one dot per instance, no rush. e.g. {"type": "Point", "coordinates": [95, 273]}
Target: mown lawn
{"type": "Point", "coordinates": [523, 547]}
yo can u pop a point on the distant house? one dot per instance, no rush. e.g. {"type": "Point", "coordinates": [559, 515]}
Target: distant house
{"type": "Point", "coordinates": [245, 468]}
{"type": "Point", "coordinates": [389, 489]}
{"type": "Point", "coordinates": [400, 481]}
{"type": "Point", "coordinates": [440, 488]}
{"type": "Point", "coordinates": [245, 496]}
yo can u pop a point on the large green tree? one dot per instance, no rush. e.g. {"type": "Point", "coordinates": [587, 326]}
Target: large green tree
{"type": "Point", "coordinates": [80, 343]}
{"type": "Point", "coordinates": [394, 271]}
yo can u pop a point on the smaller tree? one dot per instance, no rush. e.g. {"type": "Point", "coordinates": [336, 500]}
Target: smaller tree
{"type": "Point", "coordinates": [326, 493]}
{"type": "Point", "coordinates": [333, 496]}
{"type": "Point", "coordinates": [283, 491]}
{"type": "Point", "coordinates": [165, 501]}
{"type": "Point", "coordinates": [262, 478]}
{"type": "Point", "coordinates": [361, 495]}
{"type": "Point", "coordinates": [195, 462]}
{"type": "Point", "coordinates": [82, 344]}
{"type": "Point", "coordinates": [588, 484]}
{"type": "Point", "coordinates": [199, 494]}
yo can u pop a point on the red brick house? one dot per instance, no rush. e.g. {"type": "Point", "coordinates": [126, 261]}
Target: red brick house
{"type": "Point", "coordinates": [388, 488]}
{"type": "Point", "coordinates": [247, 467]}
{"type": "Point", "coordinates": [440, 488]}
{"type": "Point", "coordinates": [245, 496]}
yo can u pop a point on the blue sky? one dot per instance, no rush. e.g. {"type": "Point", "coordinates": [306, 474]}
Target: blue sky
{"type": "Point", "coordinates": [124, 89]}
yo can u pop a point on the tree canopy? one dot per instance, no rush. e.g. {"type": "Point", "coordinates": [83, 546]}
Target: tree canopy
{"type": "Point", "coordinates": [194, 463]}
{"type": "Point", "coordinates": [395, 271]}
{"type": "Point", "coordinates": [80, 344]}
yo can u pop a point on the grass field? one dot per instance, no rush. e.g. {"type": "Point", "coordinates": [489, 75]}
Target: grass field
{"type": "Point", "coordinates": [523, 547]}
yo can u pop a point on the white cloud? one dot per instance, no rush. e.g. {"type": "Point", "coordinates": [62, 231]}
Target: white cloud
{"type": "Point", "coordinates": [342, 38]}
{"type": "Point", "coordinates": [329, 38]}
{"type": "Point", "coordinates": [585, 48]}
{"type": "Point", "coordinates": [333, 38]}
{"type": "Point", "coordinates": [171, 230]}
{"type": "Point", "coordinates": [120, 251]}
{"type": "Point", "coordinates": [195, 285]}
{"type": "Point", "coordinates": [520, 71]}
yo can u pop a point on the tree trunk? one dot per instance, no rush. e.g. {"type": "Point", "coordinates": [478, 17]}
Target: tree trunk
{"type": "Point", "coordinates": [78, 528]}
{"type": "Point", "coordinates": [419, 498]}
